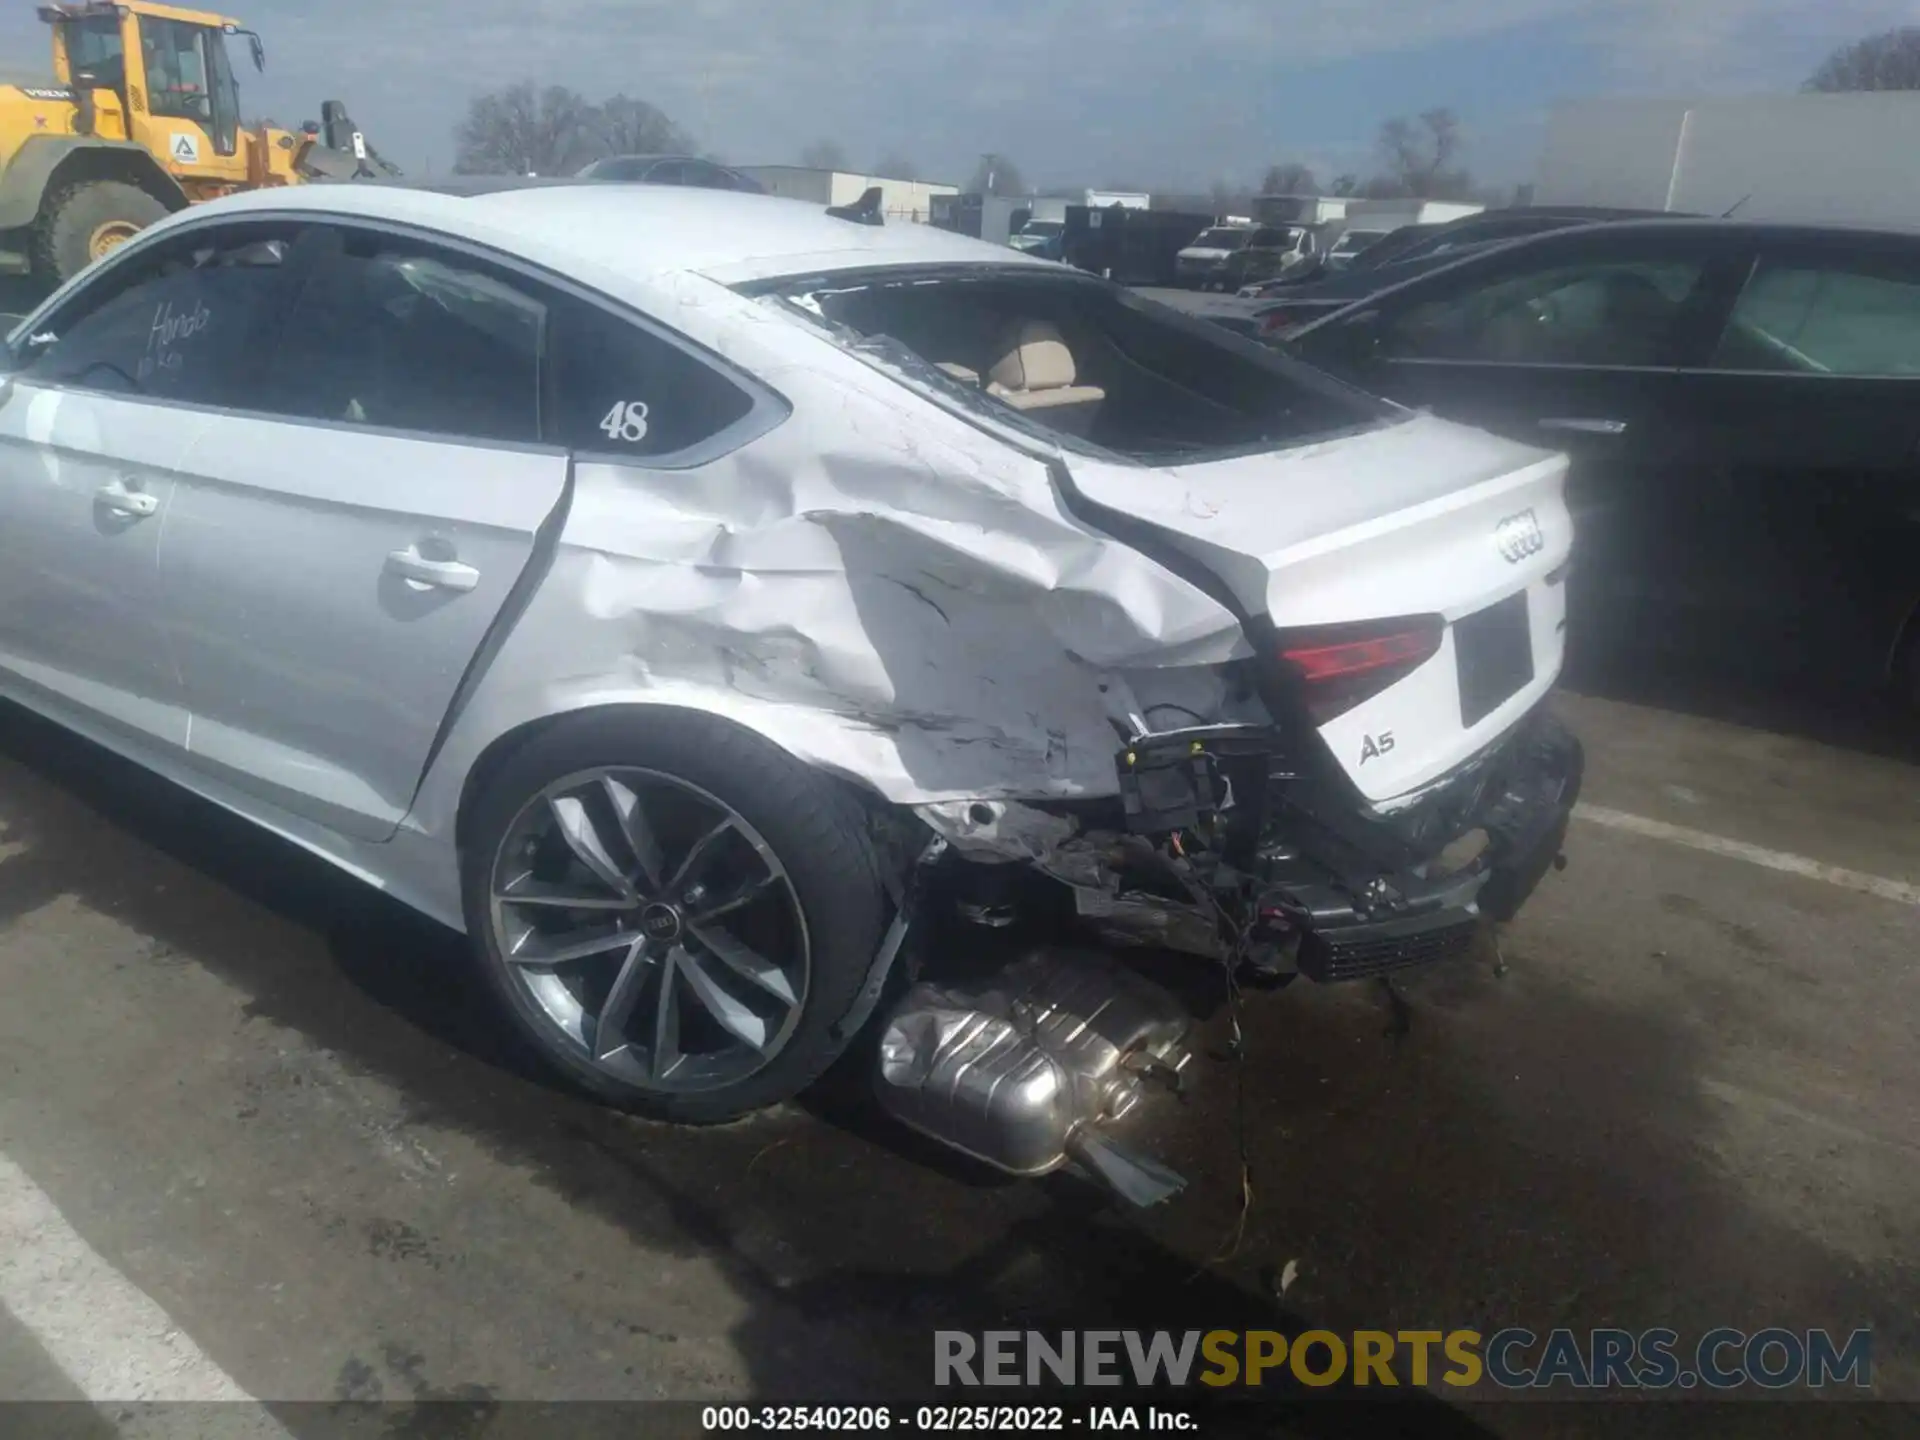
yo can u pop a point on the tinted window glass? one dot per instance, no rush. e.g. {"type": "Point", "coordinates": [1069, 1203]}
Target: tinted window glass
{"type": "Point", "coordinates": [620, 389]}
{"type": "Point", "coordinates": [1607, 313]}
{"type": "Point", "coordinates": [176, 327]}
{"type": "Point", "coordinates": [176, 69]}
{"type": "Point", "coordinates": [410, 340]}
{"type": "Point", "coordinates": [1840, 321]}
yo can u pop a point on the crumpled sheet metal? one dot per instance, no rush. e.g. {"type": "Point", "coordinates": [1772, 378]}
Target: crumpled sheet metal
{"type": "Point", "coordinates": [875, 585]}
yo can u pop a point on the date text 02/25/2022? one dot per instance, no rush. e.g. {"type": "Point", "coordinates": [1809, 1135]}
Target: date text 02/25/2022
{"type": "Point", "coordinates": [942, 1419]}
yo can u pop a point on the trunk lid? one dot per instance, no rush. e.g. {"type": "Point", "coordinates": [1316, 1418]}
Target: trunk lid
{"type": "Point", "coordinates": [1416, 518]}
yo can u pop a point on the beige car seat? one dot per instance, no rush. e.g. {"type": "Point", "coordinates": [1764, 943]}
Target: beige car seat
{"type": "Point", "coordinates": [1035, 374]}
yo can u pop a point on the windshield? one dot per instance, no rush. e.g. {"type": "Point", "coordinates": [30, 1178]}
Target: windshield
{"type": "Point", "coordinates": [93, 48]}
{"type": "Point", "coordinates": [1223, 238]}
{"type": "Point", "coordinates": [1357, 240]}
{"type": "Point", "coordinates": [1077, 362]}
{"type": "Point", "coordinates": [1044, 229]}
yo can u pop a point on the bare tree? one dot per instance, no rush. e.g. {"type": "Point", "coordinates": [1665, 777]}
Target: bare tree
{"type": "Point", "coordinates": [626, 126]}
{"type": "Point", "coordinates": [524, 131]}
{"type": "Point", "coordinates": [1420, 153]}
{"type": "Point", "coordinates": [895, 166]}
{"type": "Point", "coordinates": [824, 155]}
{"type": "Point", "coordinates": [1887, 61]}
{"type": "Point", "coordinates": [1345, 184]}
{"type": "Point", "coordinates": [1291, 178]}
{"type": "Point", "coordinates": [997, 175]}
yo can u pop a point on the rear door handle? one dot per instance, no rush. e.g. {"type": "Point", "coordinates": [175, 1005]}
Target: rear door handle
{"type": "Point", "coordinates": [410, 564]}
{"type": "Point", "coordinates": [121, 498]}
{"type": "Point", "coordinates": [1577, 426]}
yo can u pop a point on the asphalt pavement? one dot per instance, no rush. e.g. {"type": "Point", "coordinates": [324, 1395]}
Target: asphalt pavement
{"type": "Point", "coordinates": [263, 1122]}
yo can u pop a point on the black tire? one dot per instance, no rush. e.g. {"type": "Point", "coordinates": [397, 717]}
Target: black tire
{"type": "Point", "coordinates": [813, 824]}
{"type": "Point", "coordinates": [63, 237]}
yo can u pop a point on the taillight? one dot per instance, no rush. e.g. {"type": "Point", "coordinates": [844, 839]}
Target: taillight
{"type": "Point", "coordinates": [1275, 323]}
{"type": "Point", "coordinates": [1345, 666]}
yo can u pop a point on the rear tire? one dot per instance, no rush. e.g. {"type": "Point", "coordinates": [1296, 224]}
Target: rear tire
{"type": "Point", "coordinates": [755, 998]}
{"type": "Point", "coordinates": [83, 222]}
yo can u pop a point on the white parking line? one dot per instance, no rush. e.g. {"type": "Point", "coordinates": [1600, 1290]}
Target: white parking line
{"type": "Point", "coordinates": [108, 1336]}
{"type": "Point", "coordinates": [1896, 890]}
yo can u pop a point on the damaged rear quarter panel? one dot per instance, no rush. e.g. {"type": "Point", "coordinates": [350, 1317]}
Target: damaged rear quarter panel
{"type": "Point", "coordinates": [875, 585]}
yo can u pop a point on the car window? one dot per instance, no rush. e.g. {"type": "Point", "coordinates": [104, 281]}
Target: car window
{"type": "Point", "coordinates": [1619, 312]}
{"type": "Point", "coordinates": [1839, 319]}
{"type": "Point", "coordinates": [175, 324]}
{"type": "Point", "coordinates": [623, 390]}
{"type": "Point", "coordinates": [1266, 239]}
{"type": "Point", "coordinates": [402, 337]}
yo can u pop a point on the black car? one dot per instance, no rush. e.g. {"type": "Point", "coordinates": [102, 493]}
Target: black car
{"type": "Point", "coordinates": [1430, 245]}
{"type": "Point", "coordinates": [671, 170]}
{"type": "Point", "coordinates": [1742, 404]}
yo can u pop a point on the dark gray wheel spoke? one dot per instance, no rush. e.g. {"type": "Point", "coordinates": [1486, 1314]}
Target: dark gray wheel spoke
{"type": "Point", "coordinates": [610, 1031]}
{"type": "Point", "coordinates": [575, 826]}
{"type": "Point", "coordinates": [528, 891]}
{"type": "Point", "coordinates": [737, 1019]}
{"type": "Point", "coordinates": [537, 949]}
{"type": "Point", "coordinates": [636, 885]}
{"type": "Point", "coordinates": [637, 832]}
{"type": "Point", "coordinates": [664, 1054]}
{"type": "Point", "coordinates": [701, 851]}
{"type": "Point", "coordinates": [744, 962]}
{"type": "Point", "coordinates": [709, 908]}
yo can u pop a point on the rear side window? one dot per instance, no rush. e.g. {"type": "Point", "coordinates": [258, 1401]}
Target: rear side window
{"type": "Point", "coordinates": [623, 390]}
{"type": "Point", "coordinates": [1856, 319]}
{"type": "Point", "coordinates": [406, 338]}
{"type": "Point", "coordinates": [177, 326]}
{"type": "Point", "coordinates": [1614, 312]}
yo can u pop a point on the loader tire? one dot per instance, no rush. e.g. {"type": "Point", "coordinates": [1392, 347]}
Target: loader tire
{"type": "Point", "coordinates": [86, 221]}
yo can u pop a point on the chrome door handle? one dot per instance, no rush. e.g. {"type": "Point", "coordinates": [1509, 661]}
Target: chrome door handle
{"type": "Point", "coordinates": [1577, 426]}
{"type": "Point", "coordinates": [133, 503]}
{"type": "Point", "coordinates": [410, 564]}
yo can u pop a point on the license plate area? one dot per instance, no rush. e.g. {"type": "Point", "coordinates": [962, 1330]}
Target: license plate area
{"type": "Point", "coordinates": [1494, 648]}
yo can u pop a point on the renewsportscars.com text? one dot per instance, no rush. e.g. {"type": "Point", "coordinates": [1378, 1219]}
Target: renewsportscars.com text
{"type": "Point", "coordinates": [1774, 1358]}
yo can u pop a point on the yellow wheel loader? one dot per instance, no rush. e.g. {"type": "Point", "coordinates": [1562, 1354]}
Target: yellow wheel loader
{"type": "Point", "coordinates": [141, 118]}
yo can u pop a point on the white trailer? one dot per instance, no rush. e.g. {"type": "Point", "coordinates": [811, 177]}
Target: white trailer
{"type": "Point", "coordinates": [1838, 159]}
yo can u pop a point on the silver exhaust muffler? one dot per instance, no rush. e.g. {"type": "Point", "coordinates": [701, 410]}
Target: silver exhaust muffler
{"type": "Point", "coordinates": [1024, 1071]}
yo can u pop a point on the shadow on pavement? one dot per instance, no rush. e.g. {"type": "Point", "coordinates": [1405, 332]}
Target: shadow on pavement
{"type": "Point", "coordinates": [1415, 1177]}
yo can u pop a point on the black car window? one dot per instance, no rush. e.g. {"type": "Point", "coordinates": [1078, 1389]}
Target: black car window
{"type": "Point", "coordinates": [1620, 312]}
{"type": "Point", "coordinates": [402, 337]}
{"type": "Point", "coordinates": [1843, 318]}
{"type": "Point", "coordinates": [622, 390]}
{"type": "Point", "coordinates": [174, 323]}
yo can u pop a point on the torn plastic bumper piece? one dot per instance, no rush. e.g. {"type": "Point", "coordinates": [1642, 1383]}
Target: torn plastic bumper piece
{"type": "Point", "coordinates": [1024, 1072]}
{"type": "Point", "coordinates": [1395, 922]}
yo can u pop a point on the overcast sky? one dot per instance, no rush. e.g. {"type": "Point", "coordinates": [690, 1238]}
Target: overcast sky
{"type": "Point", "coordinates": [1163, 93]}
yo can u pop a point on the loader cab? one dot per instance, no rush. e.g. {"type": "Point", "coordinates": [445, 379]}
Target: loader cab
{"type": "Point", "coordinates": [171, 72]}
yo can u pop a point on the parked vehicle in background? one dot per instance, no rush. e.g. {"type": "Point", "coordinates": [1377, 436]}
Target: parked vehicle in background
{"type": "Point", "coordinates": [1044, 238]}
{"type": "Point", "coordinates": [1448, 242]}
{"type": "Point", "coordinates": [671, 170]}
{"type": "Point", "coordinates": [1350, 246]}
{"type": "Point", "coordinates": [1229, 256]}
{"type": "Point", "coordinates": [559, 558]}
{"type": "Point", "coordinates": [1742, 403]}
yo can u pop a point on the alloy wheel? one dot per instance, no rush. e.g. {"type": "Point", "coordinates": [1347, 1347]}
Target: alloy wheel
{"type": "Point", "coordinates": [653, 927]}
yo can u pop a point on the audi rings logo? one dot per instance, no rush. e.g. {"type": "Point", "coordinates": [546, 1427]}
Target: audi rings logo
{"type": "Point", "coordinates": [1519, 536]}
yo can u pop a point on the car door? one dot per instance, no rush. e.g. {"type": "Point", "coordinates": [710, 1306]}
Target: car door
{"type": "Point", "coordinates": [1573, 343]}
{"type": "Point", "coordinates": [101, 405]}
{"type": "Point", "coordinates": [339, 550]}
{"type": "Point", "coordinates": [1811, 397]}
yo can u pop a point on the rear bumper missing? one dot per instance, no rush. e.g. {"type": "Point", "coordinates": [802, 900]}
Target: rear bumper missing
{"type": "Point", "coordinates": [1356, 924]}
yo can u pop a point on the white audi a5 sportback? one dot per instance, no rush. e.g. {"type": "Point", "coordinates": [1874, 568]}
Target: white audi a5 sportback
{"type": "Point", "coordinates": [714, 606]}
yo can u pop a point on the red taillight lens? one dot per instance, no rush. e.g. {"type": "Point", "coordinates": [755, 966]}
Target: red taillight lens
{"type": "Point", "coordinates": [1277, 322]}
{"type": "Point", "coordinates": [1344, 667]}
